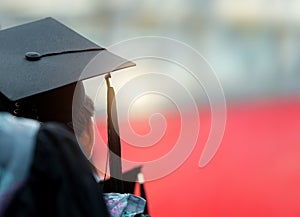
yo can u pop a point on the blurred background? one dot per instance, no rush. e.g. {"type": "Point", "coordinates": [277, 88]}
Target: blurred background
{"type": "Point", "coordinates": [245, 41]}
{"type": "Point", "coordinates": [254, 48]}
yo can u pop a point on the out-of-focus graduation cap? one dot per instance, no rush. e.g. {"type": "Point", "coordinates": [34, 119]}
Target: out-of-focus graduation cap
{"type": "Point", "coordinates": [131, 177]}
{"type": "Point", "coordinates": [40, 63]}
{"type": "Point", "coordinates": [129, 185]}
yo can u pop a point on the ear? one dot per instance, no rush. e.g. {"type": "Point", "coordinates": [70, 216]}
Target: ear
{"type": "Point", "coordinates": [88, 138]}
{"type": "Point", "coordinates": [91, 131]}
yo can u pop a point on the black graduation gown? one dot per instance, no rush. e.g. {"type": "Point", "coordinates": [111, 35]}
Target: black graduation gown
{"type": "Point", "coordinates": [60, 182]}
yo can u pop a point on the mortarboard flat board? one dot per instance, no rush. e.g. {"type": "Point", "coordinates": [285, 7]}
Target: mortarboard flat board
{"type": "Point", "coordinates": [45, 55]}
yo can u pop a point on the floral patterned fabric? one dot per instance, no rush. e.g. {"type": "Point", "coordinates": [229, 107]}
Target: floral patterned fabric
{"type": "Point", "coordinates": [124, 205]}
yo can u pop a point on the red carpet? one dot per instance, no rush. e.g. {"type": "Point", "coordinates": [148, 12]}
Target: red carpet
{"type": "Point", "coordinates": [256, 171]}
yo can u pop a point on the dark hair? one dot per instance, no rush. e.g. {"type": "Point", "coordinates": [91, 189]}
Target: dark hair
{"type": "Point", "coordinates": [69, 105]}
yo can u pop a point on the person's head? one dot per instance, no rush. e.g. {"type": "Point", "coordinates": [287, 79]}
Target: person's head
{"type": "Point", "coordinates": [68, 105]}
{"type": "Point", "coordinates": [40, 64]}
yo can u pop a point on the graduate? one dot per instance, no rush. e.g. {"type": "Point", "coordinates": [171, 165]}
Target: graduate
{"type": "Point", "coordinates": [41, 69]}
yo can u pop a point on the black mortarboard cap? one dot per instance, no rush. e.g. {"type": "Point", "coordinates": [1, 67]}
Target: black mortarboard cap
{"type": "Point", "coordinates": [41, 61]}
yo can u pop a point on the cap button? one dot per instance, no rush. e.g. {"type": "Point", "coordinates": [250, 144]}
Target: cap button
{"type": "Point", "coordinates": [33, 56]}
